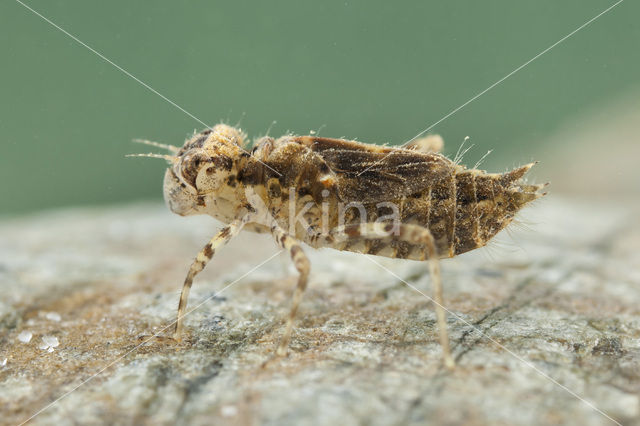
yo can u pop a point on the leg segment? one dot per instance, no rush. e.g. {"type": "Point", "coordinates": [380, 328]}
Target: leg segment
{"type": "Point", "coordinates": [201, 260]}
{"type": "Point", "coordinates": [413, 234]}
{"type": "Point", "coordinates": [301, 263]}
{"type": "Point", "coordinates": [430, 143]}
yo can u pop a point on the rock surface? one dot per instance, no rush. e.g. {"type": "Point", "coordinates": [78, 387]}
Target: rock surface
{"type": "Point", "coordinates": [547, 331]}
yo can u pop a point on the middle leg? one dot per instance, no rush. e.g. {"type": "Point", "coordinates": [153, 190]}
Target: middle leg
{"type": "Point", "coordinates": [301, 263]}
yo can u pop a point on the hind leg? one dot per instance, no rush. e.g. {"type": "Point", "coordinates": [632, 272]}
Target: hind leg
{"type": "Point", "coordinates": [412, 234]}
{"type": "Point", "coordinates": [430, 143]}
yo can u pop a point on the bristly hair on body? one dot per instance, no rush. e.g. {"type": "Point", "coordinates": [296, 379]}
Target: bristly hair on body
{"type": "Point", "coordinates": [408, 203]}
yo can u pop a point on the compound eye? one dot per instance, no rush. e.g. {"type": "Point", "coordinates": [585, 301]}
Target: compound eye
{"type": "Point", "coordinates": [191, 164]}
{"type": "Point", "coordinates": [213, 173]}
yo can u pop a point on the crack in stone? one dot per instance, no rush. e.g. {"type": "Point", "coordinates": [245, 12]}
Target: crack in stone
{"type": "Point", "coordinates": [500, 313]}
{"type": "Point", "coordinates": [192, 387]}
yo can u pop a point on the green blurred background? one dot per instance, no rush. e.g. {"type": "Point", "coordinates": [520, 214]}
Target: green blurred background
{"type": "Point", "coordinates": [378, 71]}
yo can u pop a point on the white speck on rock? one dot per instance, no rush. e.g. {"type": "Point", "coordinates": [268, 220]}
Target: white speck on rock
{"type": "Point", "coordinates": [229, 411]}
{"type": "Point", "coordinates": [48, 343]}
{"type": "Point", "coordinates": [53, 316]}
{"type": "Point", "coordinates": [4, 362]}
{"type": "Point", "coordinates": [51, 341]}
{"type": "Point", "coordinates": [25, 336]}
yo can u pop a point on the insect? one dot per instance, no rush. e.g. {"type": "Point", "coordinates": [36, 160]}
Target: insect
{"type": "Point", "coordinates": [407, 203]}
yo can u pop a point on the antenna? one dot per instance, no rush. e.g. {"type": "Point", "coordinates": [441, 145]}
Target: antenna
{"type": "Point", "coordinates": [157, 145]}
{"type": "Point", "coordinates": [169, 158]}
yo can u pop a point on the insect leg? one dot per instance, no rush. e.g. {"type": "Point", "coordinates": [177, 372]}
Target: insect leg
{"type": "Point", "coordinates": [301, 263]}
{"type": "Point", "coordinates": [417, 235]}
{"type": "Point", "coordinates": [201, 260]}
{"type": "Point", "coordinates": [430, 143]}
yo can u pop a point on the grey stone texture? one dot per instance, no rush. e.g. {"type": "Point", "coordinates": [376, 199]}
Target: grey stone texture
{"type": "Point", "coordinates": [546, 327]}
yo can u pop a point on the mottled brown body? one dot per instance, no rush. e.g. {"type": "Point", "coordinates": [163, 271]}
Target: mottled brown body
{"type": "Point", "coordinates": [408, 203]}
{"type": "Point", "coordinates": [462, 208]}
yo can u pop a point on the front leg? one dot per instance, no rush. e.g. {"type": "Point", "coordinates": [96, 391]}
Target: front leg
{"type": "Point", "coordinates": [301, 263]}
{"type": "Point", "coordinates": [201, 260]}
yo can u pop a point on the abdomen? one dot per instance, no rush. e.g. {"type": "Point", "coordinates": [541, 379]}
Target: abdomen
{"type": "Point", "coordinates": [462, 213]}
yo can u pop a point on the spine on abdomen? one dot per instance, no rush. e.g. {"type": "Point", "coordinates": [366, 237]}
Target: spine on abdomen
{"type": "Point", "coordinates": [486, 203]}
